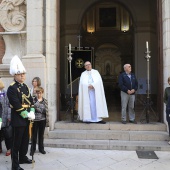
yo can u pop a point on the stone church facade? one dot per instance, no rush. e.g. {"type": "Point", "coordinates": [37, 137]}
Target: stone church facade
{"type": "Point", "coordinates": [39, 31]}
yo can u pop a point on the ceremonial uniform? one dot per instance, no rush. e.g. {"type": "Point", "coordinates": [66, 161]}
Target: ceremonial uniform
{"type": "Point", "coordinates": [20, 102]}
{"type": "Point", "coordinates": [19, 94]}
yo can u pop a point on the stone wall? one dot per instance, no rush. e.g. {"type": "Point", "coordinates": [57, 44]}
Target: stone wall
{"type": "Point", "coordinates": [2, 45]}
{"type": "Point", "coordinates": [166, 43]}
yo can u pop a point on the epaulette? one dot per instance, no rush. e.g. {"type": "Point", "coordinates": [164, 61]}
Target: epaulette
{"type": "Point", "coordinates": [12, 83]}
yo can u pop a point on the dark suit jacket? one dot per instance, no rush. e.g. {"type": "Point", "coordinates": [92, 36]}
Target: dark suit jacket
{"type": "Point", "coordinates": [14, 93]}
{"type": "Point", "coordinates": [126, 83]}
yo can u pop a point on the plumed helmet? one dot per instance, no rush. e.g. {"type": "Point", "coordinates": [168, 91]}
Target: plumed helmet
{"type": "Point", "coordinates": [16, 66]}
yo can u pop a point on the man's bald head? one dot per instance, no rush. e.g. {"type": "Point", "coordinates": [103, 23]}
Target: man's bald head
{"type": "Point", "coordinates": [88, 65]}
{"type": "Point", "coordinates": [127, 68]}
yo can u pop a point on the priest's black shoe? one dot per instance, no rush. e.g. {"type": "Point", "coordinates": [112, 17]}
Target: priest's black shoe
{"type": "Point", "coordinates": [102, 122]}
{"type": "Point", "coordinates": [18, 168]}
{"type": "Point", "coordinates": [26, 161]}
{"type": "Point", "coordinates": [43, 152]}
{"type": "Point", "coordinates": [88, 122]}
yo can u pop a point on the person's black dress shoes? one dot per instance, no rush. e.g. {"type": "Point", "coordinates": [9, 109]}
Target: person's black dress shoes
{"type": "Point", "coordinates": [18, 168]}
{"type": "Point", "coordinates": [133, 121]}
{"type": "Point", "coordinates": [43, 152]}
{"type": "Point", "coordinates": [124, 121]}
{"type": "Point", "coordinates": [26, 161]}
{"type": "Point", "coordinates": [102, 122]}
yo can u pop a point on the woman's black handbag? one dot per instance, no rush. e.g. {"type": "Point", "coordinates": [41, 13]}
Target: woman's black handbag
{"type": "Point", "coordinates": [7, 132]}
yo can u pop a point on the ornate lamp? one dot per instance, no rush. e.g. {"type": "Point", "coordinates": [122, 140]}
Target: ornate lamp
{"type": "Point", "coordinates": [124, 20]}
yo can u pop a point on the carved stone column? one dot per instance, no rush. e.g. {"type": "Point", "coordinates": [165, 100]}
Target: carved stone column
{"type": "Point", "coordinates": [12, 19]}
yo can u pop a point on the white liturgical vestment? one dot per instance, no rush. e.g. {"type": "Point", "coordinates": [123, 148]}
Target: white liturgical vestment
{"type": "Point", "coordinates": [86, 110]}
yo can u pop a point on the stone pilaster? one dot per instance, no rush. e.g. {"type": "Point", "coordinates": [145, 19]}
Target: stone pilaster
{"type": "Point", "coordinates": [52, 48]}
{"type": "Point", "coordinates": [166, 43]}
{"type": "Point", "coordinates": [41, 58]}
{"type": "Point", "coordinates": [34, 60]}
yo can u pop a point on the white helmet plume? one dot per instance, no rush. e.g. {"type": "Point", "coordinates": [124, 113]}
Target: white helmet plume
{"type": "Point", "coordinates": [16, 66]}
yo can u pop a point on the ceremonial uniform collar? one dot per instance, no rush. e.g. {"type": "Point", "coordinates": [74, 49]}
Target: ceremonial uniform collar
{"type": "Point", "coordinates": [19, 84]}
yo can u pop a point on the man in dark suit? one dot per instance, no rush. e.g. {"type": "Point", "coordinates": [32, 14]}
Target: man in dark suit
{"type": "Point", "coordinates": [128, 85]}
{"type": "Point", "coordinates": [21, 104]}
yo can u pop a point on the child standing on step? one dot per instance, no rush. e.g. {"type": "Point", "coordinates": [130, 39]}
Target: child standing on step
{"type": "Point", "coordinates": [41, 112]}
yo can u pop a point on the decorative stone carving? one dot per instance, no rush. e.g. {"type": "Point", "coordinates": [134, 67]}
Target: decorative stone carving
{"type": "Point", "coordinates": [12, 15]}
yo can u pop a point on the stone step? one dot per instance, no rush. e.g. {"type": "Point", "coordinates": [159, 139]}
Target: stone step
{"type": "Point", "coordinates": [112, 135]}
{"type": "Point", "coordinates": [153, 126]}
{"type": "Point", "coordinates": [108, 144]}
{"type": "Point", "coordinates": [109, 135]}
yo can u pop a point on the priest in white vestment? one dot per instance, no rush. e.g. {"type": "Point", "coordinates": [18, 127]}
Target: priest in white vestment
{"type": "Point", "coordinates": [91, 98]}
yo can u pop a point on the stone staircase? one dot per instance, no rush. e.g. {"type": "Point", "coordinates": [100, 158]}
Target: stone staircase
{"type": "Point", "coordinates": [112, 135]}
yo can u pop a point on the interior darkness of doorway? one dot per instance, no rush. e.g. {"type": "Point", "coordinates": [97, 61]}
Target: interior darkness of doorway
{"type": "Point", "coordinates": [159, 100]}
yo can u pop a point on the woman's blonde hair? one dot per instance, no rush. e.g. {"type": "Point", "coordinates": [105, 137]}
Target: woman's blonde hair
{"type": "Point", "coordinates": [38, 80]}
{"type": "Point", "coordinates": [1, 84]}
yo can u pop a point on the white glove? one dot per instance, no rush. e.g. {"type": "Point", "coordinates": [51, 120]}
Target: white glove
{"type": "Point", "coordinates": [31, 115]}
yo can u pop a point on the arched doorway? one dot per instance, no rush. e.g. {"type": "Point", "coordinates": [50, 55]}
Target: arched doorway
{"type": "Point", "coordinates": [108, 27]}
{"type": "Point", "coordinates": [135, 24]}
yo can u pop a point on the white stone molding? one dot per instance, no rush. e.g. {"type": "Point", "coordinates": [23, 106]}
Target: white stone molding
{"type": "Point", "coordinates": [14, 45]}
{"type": "Point", "coordinates": [13, 15]}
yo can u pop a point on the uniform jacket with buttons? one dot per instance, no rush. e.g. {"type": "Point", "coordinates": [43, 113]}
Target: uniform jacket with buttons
{"type": "Point", "coordinates": [14, 93]}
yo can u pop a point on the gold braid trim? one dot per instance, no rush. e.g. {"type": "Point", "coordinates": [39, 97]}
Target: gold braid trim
{"type": "Point", "coordinates": [24, 97]}
{"type": "Point", "coordinates": [28, 92]}
{"type": "Point", "coordinates": [20, 109]}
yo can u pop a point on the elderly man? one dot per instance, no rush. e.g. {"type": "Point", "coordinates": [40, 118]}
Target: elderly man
{"type": "Point", "coordinates": [21, 104]}
{"type": "Point", "coordinates": [91, 101]}
{"type": "Point", "coordinates": [128, 85]}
